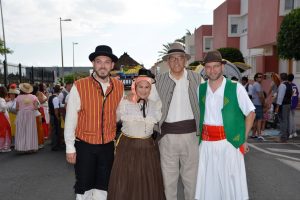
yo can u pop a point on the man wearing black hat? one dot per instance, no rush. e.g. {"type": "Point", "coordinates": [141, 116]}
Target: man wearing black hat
{"type": "Point", "coordinates": [226, 117]}
{"type": "Point", "coordinates": [179, 124]}
{"type": "Point", "coordinates": [90, 126]}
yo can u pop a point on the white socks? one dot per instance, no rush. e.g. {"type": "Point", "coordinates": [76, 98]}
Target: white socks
{"type": "Point", "coordinates": [92, 194]}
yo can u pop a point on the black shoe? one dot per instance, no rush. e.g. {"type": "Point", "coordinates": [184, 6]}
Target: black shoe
{"type": "Point", "coordinates": [55, 149]}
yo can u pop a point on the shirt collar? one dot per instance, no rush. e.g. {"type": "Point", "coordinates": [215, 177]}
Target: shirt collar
{"type": "Point", "coordinates": [184, 76]}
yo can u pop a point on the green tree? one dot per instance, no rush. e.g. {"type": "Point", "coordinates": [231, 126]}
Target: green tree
{"type": "Point", "coordinates": [232, 54]}
{"type": "Point", "coordinates": [288, 39]}
{"type": "Point", "coordinates": [4, 50]}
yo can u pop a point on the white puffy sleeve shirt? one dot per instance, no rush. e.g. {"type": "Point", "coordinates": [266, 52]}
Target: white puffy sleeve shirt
{"type": "Point", "coordinates": [131, 115]}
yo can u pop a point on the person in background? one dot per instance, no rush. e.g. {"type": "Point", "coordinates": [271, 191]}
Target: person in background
{"type": "Point", "coordinates": [39, 119]}
{"type": "Point", "coordinates": [226, 117]}
{"type": "Point", "coordinates": [5, 129]}
{"type": "Point", "coordinates": [258, 101]}
{"type": "Point", "coordinates": [294, 104]}
{"type": "Point", "coordinates": [90, 127]}
{"type": "Point", "coordinates": [13, 92]}
{"type": "Point", "coordinates": [42, 95]}
{"type": "Point", "coordinates": [266, 109]}
{"type": "Point", "coordinates": [53, 103]}
{"type": "Point", "coordinates": [283, 107]}
{"type": "Point", "coordinates": [247, 85]}
{"type": "Point", "coordinates": [26, 139]}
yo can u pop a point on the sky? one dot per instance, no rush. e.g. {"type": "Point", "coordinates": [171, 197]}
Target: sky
{"type": "Point", "coordinates": [138, 27]}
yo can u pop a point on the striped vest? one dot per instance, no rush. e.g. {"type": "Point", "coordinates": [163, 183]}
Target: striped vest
{"type": "Point", "coordinates": [97, 115]}
{"type": "Point", "coordinates": [165, 87]}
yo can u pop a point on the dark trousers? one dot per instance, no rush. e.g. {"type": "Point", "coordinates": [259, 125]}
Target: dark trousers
{"type": "Point", "coordinates": [56, 132]}
{"type": "Point", "coordinates": [284, 116]}
{"type": "Point", "coordinates": [93, 166]}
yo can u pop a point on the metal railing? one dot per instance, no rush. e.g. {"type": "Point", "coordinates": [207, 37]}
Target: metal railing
{"type": "Point", "coordinates": [16, 73]}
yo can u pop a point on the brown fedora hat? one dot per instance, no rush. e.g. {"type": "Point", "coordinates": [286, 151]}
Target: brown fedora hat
{"type": "Point", "coordinates": [213, 56]}
{"type": "Point", "coordinates": [26, 88]}
{"type": "Point", "coordinates": [174, 49]}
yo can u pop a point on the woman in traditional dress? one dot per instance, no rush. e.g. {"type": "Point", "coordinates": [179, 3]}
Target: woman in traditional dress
{"type": "Point", "coordinates": [26, 139]}
{"type": "Point", "coordinates": [39, 119]}
{"type": "Point", "coordinates": [42, 96]}
{"type": "Point", "coordinates": [5, 129]}
{"type": "Point", "coordinates": [136, 172]}
{"type": "Point", "coordinates": [12, 93]}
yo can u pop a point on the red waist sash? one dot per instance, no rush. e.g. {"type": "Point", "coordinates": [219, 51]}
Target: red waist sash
{"type": "Point", "coordinates": [215, 133]}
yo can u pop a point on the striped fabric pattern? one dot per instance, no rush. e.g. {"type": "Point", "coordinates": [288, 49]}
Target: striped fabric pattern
{"type": "Point", "coordinates": [97, 116]}
{"type": "Point", "coordinates": [165, 87]}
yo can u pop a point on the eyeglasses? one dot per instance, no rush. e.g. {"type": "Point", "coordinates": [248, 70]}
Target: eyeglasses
{"type": "Point", "coordinates": [259, 77]}
{"type": "Point", "coordinates": [173, 58]}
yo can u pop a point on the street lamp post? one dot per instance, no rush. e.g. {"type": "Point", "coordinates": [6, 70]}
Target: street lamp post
{"type": "Point", "coordinates": [4, 45]}
{"type": "Point", "coordinates": [74, 43]}
{"type": "Point", "coordinates": [61, 46]}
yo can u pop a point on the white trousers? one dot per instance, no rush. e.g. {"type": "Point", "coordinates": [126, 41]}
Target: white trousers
{"type": "Point", "coordinates": [92, 194]}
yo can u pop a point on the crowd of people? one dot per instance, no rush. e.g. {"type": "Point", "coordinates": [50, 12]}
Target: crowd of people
{"type": "Point", "coordinates": [26, 113]}
{"type": "Point", "coordinates": [173, 125]}
{"type": "Point", "coordinates": [276, 105]}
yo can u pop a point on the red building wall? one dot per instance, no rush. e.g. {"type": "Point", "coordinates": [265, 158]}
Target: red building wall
{"type": "Point", "coordinates": [263, 22]}
{"type": "Point", "coordinates": [220, 26]}
{"type": "Point", "coordinates": [204, 30]}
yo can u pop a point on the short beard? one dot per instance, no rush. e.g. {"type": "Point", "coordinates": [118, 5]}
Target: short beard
{"type": "Point", "coordinates": [219, 75]}
{"type": "Point", "coordinates": [100, 76]}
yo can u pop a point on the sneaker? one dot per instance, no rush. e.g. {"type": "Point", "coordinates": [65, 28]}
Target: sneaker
{"type": "Point", "coordinates": [291, 136]}
{"type": "Point", "coordinates": [5, 150]}
{"type": "Point", "coordinates": [261, 138]}
{"type": "Point", "coordinates": [295, 134]}
{"type": "Point", "coordinates": [253, 136]}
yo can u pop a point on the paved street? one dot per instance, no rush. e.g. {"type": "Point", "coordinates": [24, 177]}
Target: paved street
{"type": "Point", "coordinates": [273, 172]}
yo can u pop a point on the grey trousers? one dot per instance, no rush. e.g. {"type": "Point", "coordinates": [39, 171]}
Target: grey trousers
{"type": "Point", "coordinates": [292, 124]}
{"type": "Point", "coordinates": [284, 118]}
{"type": "Point", "coordinates": [179, 156]}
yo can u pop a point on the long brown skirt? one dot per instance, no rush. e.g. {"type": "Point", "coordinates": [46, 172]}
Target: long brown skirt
{"type": "Point", "coordinates": [136, 172]}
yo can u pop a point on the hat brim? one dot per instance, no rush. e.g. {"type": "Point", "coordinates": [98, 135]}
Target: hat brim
{"type": "Point", "coordinates": [165, 57]}
{"type": "Point", "coordinates": [221, 61]}
{"type": "Point", "coordinates": [10, 91]}
{"type": "Point", "coordinates": [27, 91]}
{"type": "Point", "coordinates": [93, 55]}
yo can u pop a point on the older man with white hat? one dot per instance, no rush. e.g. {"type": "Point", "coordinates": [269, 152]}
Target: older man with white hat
{"type": "Point", "coordinates": [179, 124]}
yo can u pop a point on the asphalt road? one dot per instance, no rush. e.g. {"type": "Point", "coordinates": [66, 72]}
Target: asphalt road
{"type": "Point", "coordinates": [273, 172]}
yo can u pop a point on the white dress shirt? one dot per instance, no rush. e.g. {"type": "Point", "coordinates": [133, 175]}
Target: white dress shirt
{"type": "Point", "coordinates": [214, 103]}
{"type": "Point", "coordinates": [180, 107]}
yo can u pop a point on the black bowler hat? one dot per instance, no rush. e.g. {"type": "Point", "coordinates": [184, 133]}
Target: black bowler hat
{"type": "Point", "coordinates": [103, 50]}
{"type": "Point", "coordinates": [146, 73]}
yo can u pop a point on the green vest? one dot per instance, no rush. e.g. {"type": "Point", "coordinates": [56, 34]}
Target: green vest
{"type": "Point", "coordinates": [233, 117]}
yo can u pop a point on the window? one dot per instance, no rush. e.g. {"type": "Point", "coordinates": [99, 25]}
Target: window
{"type": "Point", "coordinates": [207, 43]}
{"type": "Point", "coordinates": [234, 28]}
{"type": "Point", "coordinates": [235, 25]}
{"type": "Point", "coordinates": [298, 67]}
{"type": "Point", "coordinates": [288, 4]}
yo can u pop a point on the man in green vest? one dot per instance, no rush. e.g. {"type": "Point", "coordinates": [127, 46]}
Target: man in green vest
{"type": "Point", "coordinates": [226, 117]}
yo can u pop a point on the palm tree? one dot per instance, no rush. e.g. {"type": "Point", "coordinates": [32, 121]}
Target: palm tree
{"type": "Point", "coordinates": [166, 47]}
{"type": "Point", "coordinates": [165, 50]}
{"type": "Point", "coordinates": [2, 49]}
